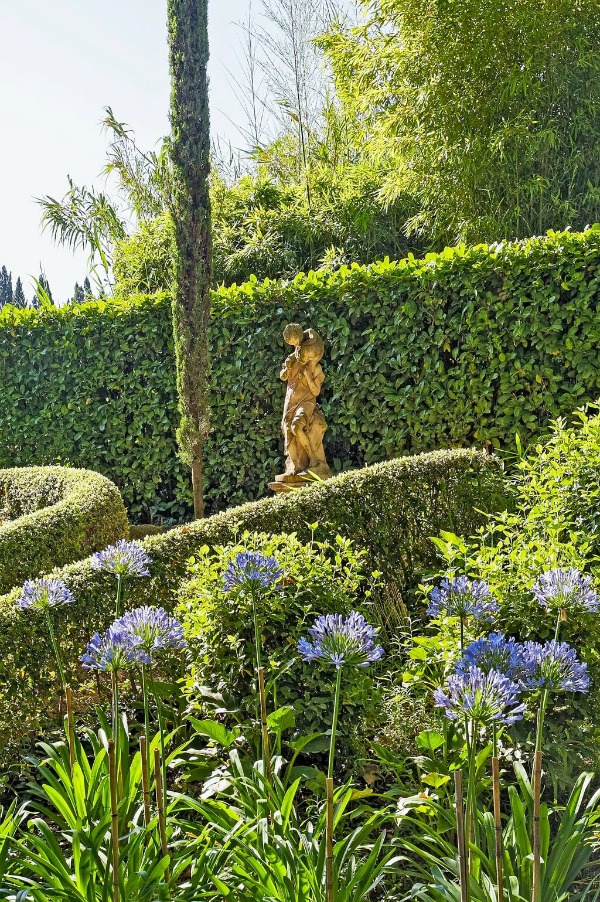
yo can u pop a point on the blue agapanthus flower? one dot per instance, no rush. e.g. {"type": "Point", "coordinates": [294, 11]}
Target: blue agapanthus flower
{"type": "Point", "coordinates": [495, 652]}
{"type": "Point", "coordinates": [252, 570]}
{"type": "Point", "coordinates": [487, 698]}
{"type": "Point", "coordinates": [124, 559]}
{"type": "Point", "coordinates": [113, 651]}
{"type": "Point", "coordinates": [341, 641]}
{"type": "Point", "coordinates": [566, 589]}
{"type": "Point", "coordinates": [152, 629]}
{"type": "Point", "coordinates": [555, 666]}
{"type": "Point", "coordinates": [44, 593]}
{"type": "Point", "coordinates": [459, 597]}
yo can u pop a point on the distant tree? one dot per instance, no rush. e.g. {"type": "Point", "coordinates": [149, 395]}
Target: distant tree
{"type": "Point", "coordinates": [88, 294]}
{"type": "Point", "coordinates": [190, 207]}
{"type": "Point", "coordinates": [78, 294]}
{"type": "Point", "coordinates": [19, 295]}
{"type": "Point", "coordinates": [6, 288]}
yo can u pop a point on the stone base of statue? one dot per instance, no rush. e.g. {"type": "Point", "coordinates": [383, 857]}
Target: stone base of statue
{"type": "Point", "coordinates": [291, 482]}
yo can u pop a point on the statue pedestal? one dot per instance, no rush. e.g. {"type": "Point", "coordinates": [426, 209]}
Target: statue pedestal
{"type": "Point", "coordinates": [291, 483]}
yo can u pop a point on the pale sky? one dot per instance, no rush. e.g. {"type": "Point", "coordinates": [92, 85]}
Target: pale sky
{"type": "Point", "coordinates": [61, 63]}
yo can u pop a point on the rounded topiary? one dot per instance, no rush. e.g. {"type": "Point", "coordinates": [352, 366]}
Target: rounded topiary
{"type": "Point", "coordinates": [52, 516]}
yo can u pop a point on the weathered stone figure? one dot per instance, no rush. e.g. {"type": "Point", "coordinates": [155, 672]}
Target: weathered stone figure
{"type": "Point", "coordinates": [303, 424]}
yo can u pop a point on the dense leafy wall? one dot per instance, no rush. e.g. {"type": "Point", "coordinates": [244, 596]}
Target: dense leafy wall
{"type": "Point", "coordinates": [466, 347]}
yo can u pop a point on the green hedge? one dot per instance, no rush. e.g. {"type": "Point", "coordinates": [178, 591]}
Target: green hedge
{"type": "Point", "coordinates": [463, 348]}
{"type": "Point", "coordinates": [389, 509]}
{"type": "Point", "coordinates": [51, 516]}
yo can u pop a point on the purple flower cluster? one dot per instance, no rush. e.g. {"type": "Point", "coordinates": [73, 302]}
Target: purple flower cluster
{"type": "Point", "coordinates": [152, 629]}
{"type": "Point", "coordinates": [133, 639]}
{"type": "Point", "coordinates": [113, 651]}
{"type": "Point", "coordinates": [459, 597]}
{"type": "Point", "coordinates": [126, 560]}
{"type": "Point", "coordinates": [341, 641]}
{"type": "Point", "coordinates": [566, 589]}
{"type": "Point", "coordinates": [512, 668]}
{"type": "Point", "coordinates": [555, 666]}
{"type": "Point", "coordinates": [42, 594]}
{"type": "Point", "coordinates": [495, 652]}
{"type": "Point", "coordinates": [486, 698]}
{"type": "Point", "coordinates": [252, 570]}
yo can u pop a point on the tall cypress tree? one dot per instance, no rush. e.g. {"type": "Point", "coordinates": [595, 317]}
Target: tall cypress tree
{"type": "Point", "coordinates": [190, 149]}
{"type": "Point", "coordinates": [78, 294]}
{"type": "Point", "coordinates": [6, 288]}
{"type": "Point", "coordinates": [19, 295]}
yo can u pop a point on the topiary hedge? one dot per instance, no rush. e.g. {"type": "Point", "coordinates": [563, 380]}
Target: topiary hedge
{"type": "Point", "coordinates": [51, 516]}
{"type": "Point", "coordinates": [389, 509]}
{"type": "Point", "coordinates": [462, 348]}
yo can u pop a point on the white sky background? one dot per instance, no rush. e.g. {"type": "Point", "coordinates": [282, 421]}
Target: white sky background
{"type": "Point", "coordinates": [61, 63]}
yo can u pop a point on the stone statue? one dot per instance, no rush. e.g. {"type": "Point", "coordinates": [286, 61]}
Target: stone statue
{"type": "Point", "coordinates": [303, 424]}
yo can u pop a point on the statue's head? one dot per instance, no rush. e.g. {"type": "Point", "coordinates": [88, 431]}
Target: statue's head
{"type": "Point", "coordinates": [293, 334]}
{"type": "Point", "coordinates": [312, 348]}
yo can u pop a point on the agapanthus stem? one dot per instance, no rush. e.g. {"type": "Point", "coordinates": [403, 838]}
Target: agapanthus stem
{"type": "Point", "coordinates": [257, 640]}
{"type": "Point", "coordinates": [145, 781]}
{"type": "Point", "coordinates": [497, 824]}
{"type": "Point", "coordinates": [146, 710]}
{"type": "Point", "coordinates": [160, 804]}
{"type": "Point", "coordinates": [460, 836]}
{"type": "Point", "coordinates": [329, 840]}
{"type": "Point", "coordinates": [115, 714]}
{"type": "Point", "coordinates": [161, 733]}
{"type": "Point", "coordinates": [70, 727]}
{"type": "Point", "coordinates": [334, 722]}
{"type": "Point", "coordinates": [61, 673]}
{"type": "Point", "coordinates": [266, 754]}
{"type": "Point", "coordinates": [119, 596]}
{"type": "Point", "coordinates": [114, 818]}
{"type": "Point", "coordinates": [471, 823]}
{"type": "Point", "coordinates": [537, 798]}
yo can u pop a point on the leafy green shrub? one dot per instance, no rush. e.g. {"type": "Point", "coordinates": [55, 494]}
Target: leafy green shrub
{"type": "Point", "coordinates": [319, 578]}
{"type": "Point", "coordinates": [466, 347]}
{"type": "Point", "coordinates": [51, 516]}
{"type": "Point", "coordinates": [388, 510]}
{"type": "Point", "coordinates": [553, 523]}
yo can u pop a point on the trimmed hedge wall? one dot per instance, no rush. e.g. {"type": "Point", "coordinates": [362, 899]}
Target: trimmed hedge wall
{"type": "Point", "coordinates": [389, 509]}
{"type": "Point", "coordinates": [51, 516]}
{"type": "Point", "coordinates": [463, 348]}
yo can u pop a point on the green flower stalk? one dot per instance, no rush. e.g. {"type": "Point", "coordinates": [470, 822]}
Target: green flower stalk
{"type": "Point", "coordinates": [40, 595]}
{"type": "Point", "coordinates": [254, 574]}
{"type": "Point", "coordinates": [340, 642]}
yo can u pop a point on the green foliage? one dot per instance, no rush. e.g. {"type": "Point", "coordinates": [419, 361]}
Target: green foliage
{"type": "Point", "coordinates": [488, 112]}
{"type": "Point", "coordinates": [567, 836]}
{"type": "Point", "coordinates": [319, 578]}
{"type": "Point", "coordinates": [387, 510]}
{"type": "Point", "coordinates": [272, 850]}
{"type": "Point", "coordinates": [51, 516]}
{"type": "Point", "coordinates": [467, 347]}
{"type": "Point", "coordinates": [263, 226]}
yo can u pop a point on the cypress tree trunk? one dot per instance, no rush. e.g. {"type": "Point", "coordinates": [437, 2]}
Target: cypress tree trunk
{"type": "Point", "coordinates": [190, 136]}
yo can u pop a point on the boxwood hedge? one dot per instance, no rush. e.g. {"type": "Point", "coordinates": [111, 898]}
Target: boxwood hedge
{"type": "Point", "coordinates": [462, 348]}
{"type": "Point", "coordinates": [389, 509]}
{"type": "Point", "coordinates": [51, 516]}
